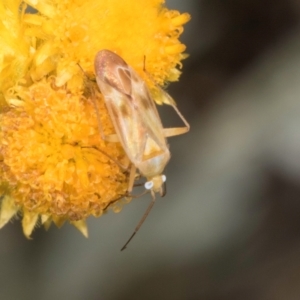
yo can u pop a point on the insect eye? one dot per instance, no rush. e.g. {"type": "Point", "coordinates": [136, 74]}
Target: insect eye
{"type": "Point", "coordinates": [164, 178]}
{"type": "Point", "coordinates": [149, 185]}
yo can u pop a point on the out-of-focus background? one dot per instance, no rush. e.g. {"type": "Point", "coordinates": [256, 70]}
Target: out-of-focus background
{"type": "Point", "coordinates": [229, 227]}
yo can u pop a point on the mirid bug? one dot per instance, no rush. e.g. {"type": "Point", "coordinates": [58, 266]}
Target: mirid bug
{"type": "Point", "coordinates": [137, 123]}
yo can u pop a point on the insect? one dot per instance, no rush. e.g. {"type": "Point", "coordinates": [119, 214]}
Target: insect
{"type": "Point", "coordinates": [137, 123]}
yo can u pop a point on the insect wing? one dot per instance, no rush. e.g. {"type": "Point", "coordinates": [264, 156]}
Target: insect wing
{"type": "Point", "coordinates": [130, 106]}
{"type": "Point", "coordinates": [126, 121]}
{"type": "Point", "coordinates": [147, 109]}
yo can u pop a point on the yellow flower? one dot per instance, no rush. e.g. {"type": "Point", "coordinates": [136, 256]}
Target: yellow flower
{"type": "Point", "coordinates": [53, 163]}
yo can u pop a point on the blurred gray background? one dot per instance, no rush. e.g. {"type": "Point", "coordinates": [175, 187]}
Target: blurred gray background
{"type": "Point", "coordinates": [229, 226]}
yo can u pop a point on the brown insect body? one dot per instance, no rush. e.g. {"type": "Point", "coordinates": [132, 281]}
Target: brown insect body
{"type": "Point", "coordinates": [137, 123]}
{"type": "Point", "coordinates": [134, 116]}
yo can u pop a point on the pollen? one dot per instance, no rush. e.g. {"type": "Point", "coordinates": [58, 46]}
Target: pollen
{"type": "Point", "coordinates": [54, 165]}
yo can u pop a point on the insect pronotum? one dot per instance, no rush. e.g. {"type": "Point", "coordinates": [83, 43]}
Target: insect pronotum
{"type": "Point", "coordinates": [137, 123]}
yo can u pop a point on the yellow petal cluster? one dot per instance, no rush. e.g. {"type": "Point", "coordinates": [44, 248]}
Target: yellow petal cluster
{"type": "Point", "coordinates": [54, 166]}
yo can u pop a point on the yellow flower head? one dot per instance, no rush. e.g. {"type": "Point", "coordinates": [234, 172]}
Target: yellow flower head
{"type": "Point", "coordinates": [54, 166]}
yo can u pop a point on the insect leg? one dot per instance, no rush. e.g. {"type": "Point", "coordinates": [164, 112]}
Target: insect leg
{"type": "Point", "coordinates": [167, 99]}
{"type": "Point", "coordinates": [112, 138]}
{"type": "Point", "coordinates": [131, 178]}
{"type": "Point", "coordinates": [168, 132]}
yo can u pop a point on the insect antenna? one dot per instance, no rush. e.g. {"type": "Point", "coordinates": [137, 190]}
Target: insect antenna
{"type": "Point", "coordinates": [127, 195]}
{"type": "Point", "coordinates": [94, 102]}
{"type": "Point", "coordinates": [164, 190]}
{"type": "Point", "coordinates": [140, 222]}
{"type": "Point", "coordinates": [97, 109]}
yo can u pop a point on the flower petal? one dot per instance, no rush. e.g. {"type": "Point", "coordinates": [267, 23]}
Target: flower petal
{"type": "Point", "coordinates": [28, 222]}
{"type": "Point", "coordinates": [8, 210]}
{"type": "Point", "coordinates": [81, 226]}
